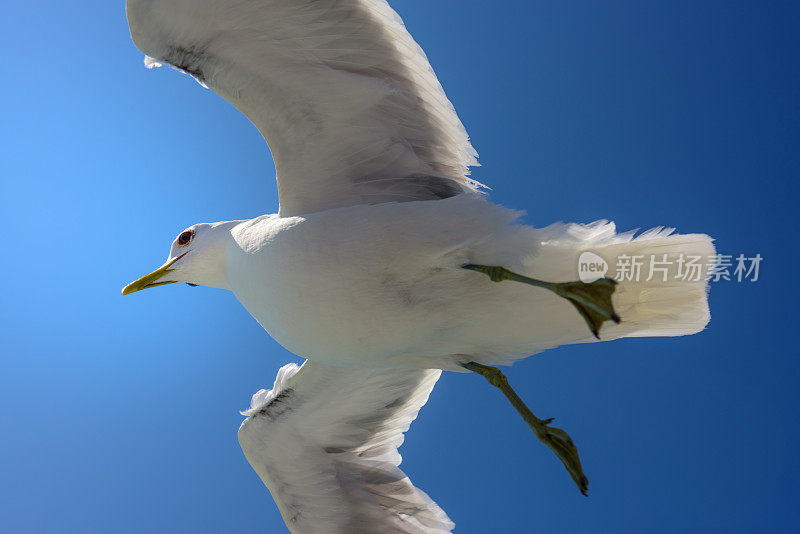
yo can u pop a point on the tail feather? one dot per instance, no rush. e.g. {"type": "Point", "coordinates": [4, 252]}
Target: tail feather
{"type": "Point", "coordinates": [662, 277]}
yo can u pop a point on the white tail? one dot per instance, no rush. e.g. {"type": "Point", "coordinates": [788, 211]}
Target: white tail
{"type": "Point", "coordinates": [662, 277]}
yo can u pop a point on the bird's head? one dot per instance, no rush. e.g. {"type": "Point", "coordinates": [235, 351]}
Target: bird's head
{"type": "Point", "coordinates": [197, 257]}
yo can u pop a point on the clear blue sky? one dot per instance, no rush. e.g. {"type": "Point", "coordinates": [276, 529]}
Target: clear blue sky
{"type": "Point", "coordinates": [120, 414]}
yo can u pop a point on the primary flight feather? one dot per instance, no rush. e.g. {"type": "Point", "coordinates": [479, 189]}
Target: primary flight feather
{"type": "Point", "coordinates": [385, 259]}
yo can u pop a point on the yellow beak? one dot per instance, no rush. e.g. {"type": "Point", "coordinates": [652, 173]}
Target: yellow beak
{"type": "Point", "coordinates": [151, 280]}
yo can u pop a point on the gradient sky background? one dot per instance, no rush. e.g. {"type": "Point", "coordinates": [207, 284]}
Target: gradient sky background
{"type": "Point", "coordinates": [120, 414]}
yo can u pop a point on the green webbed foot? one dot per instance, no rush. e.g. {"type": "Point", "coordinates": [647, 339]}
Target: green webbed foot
{"type": "Point", "coordinates": [592, 300]}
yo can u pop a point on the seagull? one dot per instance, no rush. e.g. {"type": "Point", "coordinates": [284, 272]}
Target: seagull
{"type": "Point", "coordinates": [386, 262]}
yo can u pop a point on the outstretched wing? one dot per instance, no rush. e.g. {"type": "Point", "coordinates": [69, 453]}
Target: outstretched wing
{"type": "Point", "coordinates": [347, 101]}
{"type": "Point", "coordinates": [324, 441]}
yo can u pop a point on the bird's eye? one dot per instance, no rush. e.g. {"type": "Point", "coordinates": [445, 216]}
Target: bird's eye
{"type": "Point", "coordinates": [185, 237]}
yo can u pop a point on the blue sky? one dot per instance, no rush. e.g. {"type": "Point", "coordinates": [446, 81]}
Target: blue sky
{"type": "Point", "coordinates": [120, 414]}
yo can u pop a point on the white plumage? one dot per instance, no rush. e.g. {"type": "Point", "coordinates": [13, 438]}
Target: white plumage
{"type": "Point", "coordinates": [361, 269]}
{"type": "Point", "coordinates": [381, 285]}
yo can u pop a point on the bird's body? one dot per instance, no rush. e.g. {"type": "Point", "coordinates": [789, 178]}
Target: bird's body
{"type": "Point", "coordinates": [382, 285]}
{"type": "Point", "coordinates": [384, 258]}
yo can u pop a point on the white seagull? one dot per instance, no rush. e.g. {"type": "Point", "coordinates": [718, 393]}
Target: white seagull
{"type": "Point", "coordinates": [382, 264]}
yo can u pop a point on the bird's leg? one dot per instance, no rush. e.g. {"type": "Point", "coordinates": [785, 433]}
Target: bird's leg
{"type": "Point", "coordinates": [556, 439]}
{"type": "Point", "coordinates": [592, 299]}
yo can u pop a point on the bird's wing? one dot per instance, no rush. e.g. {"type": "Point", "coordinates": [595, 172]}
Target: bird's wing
{"type": "Point", "coordinates": [346, 99]}
{"type": "Point", "coordinates": [324, 441]}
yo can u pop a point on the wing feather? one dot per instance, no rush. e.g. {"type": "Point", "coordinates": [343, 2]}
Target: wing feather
{"type": "Point", "coordinates": [346, 99]}
{"type": "Point", "coordinates": [324, 440]}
